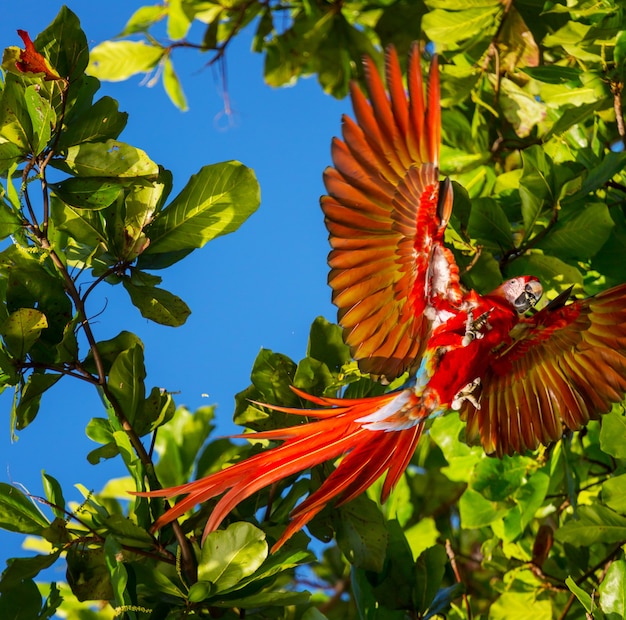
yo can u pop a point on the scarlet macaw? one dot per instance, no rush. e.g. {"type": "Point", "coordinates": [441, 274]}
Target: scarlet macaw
{"type": "Point", "coordinates": [517, 379]}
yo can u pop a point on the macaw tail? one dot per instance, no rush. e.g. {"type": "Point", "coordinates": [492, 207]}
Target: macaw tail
{"type": "Point", "coordinates": [337, 430]}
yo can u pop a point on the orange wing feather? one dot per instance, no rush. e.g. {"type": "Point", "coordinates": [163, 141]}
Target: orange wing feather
{"type": "Point", "coordinates": [568, 367]}
{"type": "Point", "coordinates": [386, 220]}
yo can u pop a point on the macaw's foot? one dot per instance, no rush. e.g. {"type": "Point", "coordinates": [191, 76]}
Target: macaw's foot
{"type": "Point", "coordinates": [467, 393]}
{"type": "Point", "coordinates": [473, 328]}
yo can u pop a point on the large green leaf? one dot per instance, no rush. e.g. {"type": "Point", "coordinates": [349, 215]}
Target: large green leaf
{"type": "Point", "coordinates": [361, 533]}
{"type": "Point", "coordinates": [65, 45]}
{"type": "Point", "coordinates": [612, 590]}
{"type": "Point", "coordinates": [581, 236]}
{"type": "Point", "coordinates": [157, 304]}
{"type": "Point", "coordinates": [108, 159]}
{"type": "Point", "coordinates": [18, 513]}
{"type": "Point", "coordinates": [178, 443]}
{"type": "Point", "coordinates": [42, 117]}
{"type": "Point", "coordinates": [19, 569]}
{"type": "Point", "coordinates": [593, 524]}
{"type": "Point", "coordinates": [118, 60]}
{"type": "Point", "coordinates": [97, 123]}
{"type": "Point", "coordinates": [21, 330]}
{"type": "Point", "coordinates": [215, 201]}
{"type": "Point", "coordinates": [126, 380]}
{"type": "Point", "coordinates": [230, 555]}
{"type": "Point", "coordinates": [88, 193]}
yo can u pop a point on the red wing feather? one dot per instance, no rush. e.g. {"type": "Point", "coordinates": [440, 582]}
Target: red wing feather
{"type": "Point", "coordinates": [568, 366]}
{"type": "Point", "coordinates": [390, 272]}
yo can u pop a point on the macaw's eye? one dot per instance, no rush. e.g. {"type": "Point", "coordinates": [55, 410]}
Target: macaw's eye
{"type": "Point", "coordinates": [529, 298]}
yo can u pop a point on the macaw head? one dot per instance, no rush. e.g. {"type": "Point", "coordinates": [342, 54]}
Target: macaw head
{"type": "Point", "coordinates": [521, 293]}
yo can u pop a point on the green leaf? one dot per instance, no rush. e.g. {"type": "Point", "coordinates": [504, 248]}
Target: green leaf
{"type": "Point", "coordinates": [178, 22]}
{"type": "Point", "coordinates": [496, 479]}
{"type": "Point", "coordinates": [593, 524]}
{"type": "Point", "coordinates": [581, 236]}
{"type": "Point", "coordinates": [42, 118]}
{"type": "Point", "coordinates": [520, 108]}
{"type": "Point", "coordinates": [273, 598]}
{"type": "Point", "coordinates": [477, 511]}
{"type": "Point", "coordinates": [489, 225]}
{"type": "Point", "coordinates": [22, 602]}
{"type": "Point", "coordinates": [158, 409]}
{"type": "Point", "coordinates": [422, 535]}
{"type": "Point", "coordinates": [15, 123]}
{"type": "Point", "coordinates": [65, 45]}
{"type": "Point", "coordinates": [109, 350]}
{"type": "Point", "coordinates": [30, 397]}
{"type": "Point", "coordinates": [612, 590]}
{"type": "Point", "coordinates": [88, 193]}
{"type": "Point", "coordinates": [97, 123]}
{"type": "Point", "coordinates": [450, 28]}
{"type": "Point", "coordinates": [108, 159]}
{"type": "Point", "coordinates": [87, 574]}
{"type": "Point", "coordinates": [19, 569]}
{"type": "Point", "coordinates": [172, 85]}
{"type": "Point", "coordinates": [178, 443]}
{"type": "Point", "coordinates": [583, 596]}
{"type": "Point", "coordinates": [157, 304]}
{"type": "Point", "coordinates": [22, 329]}
{"type": "Point", "coordinates": [612, 432]}
{"type": "Point", "coordinates": [10, 223]}
{"type": "Point", "coordinates": [126, 380]}
{"type": "Point", "coordinates": [326, 344]}
{"type": "Point", "coordinates": [272, 375]}
{"type": "Point", "coordinates": [230, 555]}
{"type": "Point", "coordinates": [143, 18]}
{"type": "Point", "coordinates": [119, 60]}
{"type": "Point", "coordinates": [216, 201]}
{"type": "Point", "coordinates": [614, 493]}
{"type": "Point", "coordinates": [361, 533]}
{"type": "Point", "coordinates": [516, 606]}
{"type": "Point", "coordinates": [18, 513]}
{"type": "Point", "coordinates": [429, 570]}
{"type": "Point", "coordinates": [54, 494]}
{"type": "Point", "coordinates": [128, 533]}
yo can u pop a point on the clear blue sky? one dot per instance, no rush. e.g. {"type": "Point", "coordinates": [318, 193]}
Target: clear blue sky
{"type": "Point", "coordinates": [259, 287]}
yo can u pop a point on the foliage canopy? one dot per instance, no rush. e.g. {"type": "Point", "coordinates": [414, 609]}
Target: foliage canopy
{"type": "Point", "coordinates": [533, 136]}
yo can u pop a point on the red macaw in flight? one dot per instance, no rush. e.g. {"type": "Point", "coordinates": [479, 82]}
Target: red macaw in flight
{"type": "Point", "coordinates": [517, 379]}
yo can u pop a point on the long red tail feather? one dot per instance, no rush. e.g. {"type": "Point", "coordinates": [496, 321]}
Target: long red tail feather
{"type": "Point", "coordinates": [367, 455]}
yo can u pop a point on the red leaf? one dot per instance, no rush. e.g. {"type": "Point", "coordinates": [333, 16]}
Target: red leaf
{"type": "Point", "coordinates": [31, 61]}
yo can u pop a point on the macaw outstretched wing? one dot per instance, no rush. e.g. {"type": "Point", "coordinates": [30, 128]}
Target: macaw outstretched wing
{"type": "Point", "coordinates": [567, 366]}
{"type": "Point", "coordinates": [386, 214]}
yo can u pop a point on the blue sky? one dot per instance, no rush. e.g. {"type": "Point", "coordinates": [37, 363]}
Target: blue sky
{"type": "Point", "coordinates": [259, 287]}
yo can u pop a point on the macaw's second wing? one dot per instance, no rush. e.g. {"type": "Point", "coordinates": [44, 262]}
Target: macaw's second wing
{"type": "Point", "coordinates": [567, 367]}
{"type": "Point", "coordinates": [391, 275]}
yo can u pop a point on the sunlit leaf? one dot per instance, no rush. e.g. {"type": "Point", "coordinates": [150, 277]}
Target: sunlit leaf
{"type": "Point", "coordinates": [18, 513]}
{"type": "Point", "coordinates": [612, 590]}
{"type": "Point", "coordinates": [592, 525]}
{"type": "Point", "coordinates": [109, 159]}
{"type": "Point", "coordinates": [21, 330]}
{"type": "Point", "coordinates": [231, 554]}
{"type": "Point", "coordinates": [118, 60]}
{"type": "Point", "coordinates": [172, 85]}
{"type": "Point", "coordinates": [216, 201]}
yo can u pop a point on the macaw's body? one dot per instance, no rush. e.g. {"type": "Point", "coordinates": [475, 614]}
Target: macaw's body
{"type": "Point", "coordinates": [517, 379]}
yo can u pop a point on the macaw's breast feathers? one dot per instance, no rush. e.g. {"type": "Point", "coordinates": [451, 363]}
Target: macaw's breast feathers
{"type": "Point", "coordinates": [386, 213]}
{"type": "Point", "coordinates": [566, 366]}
